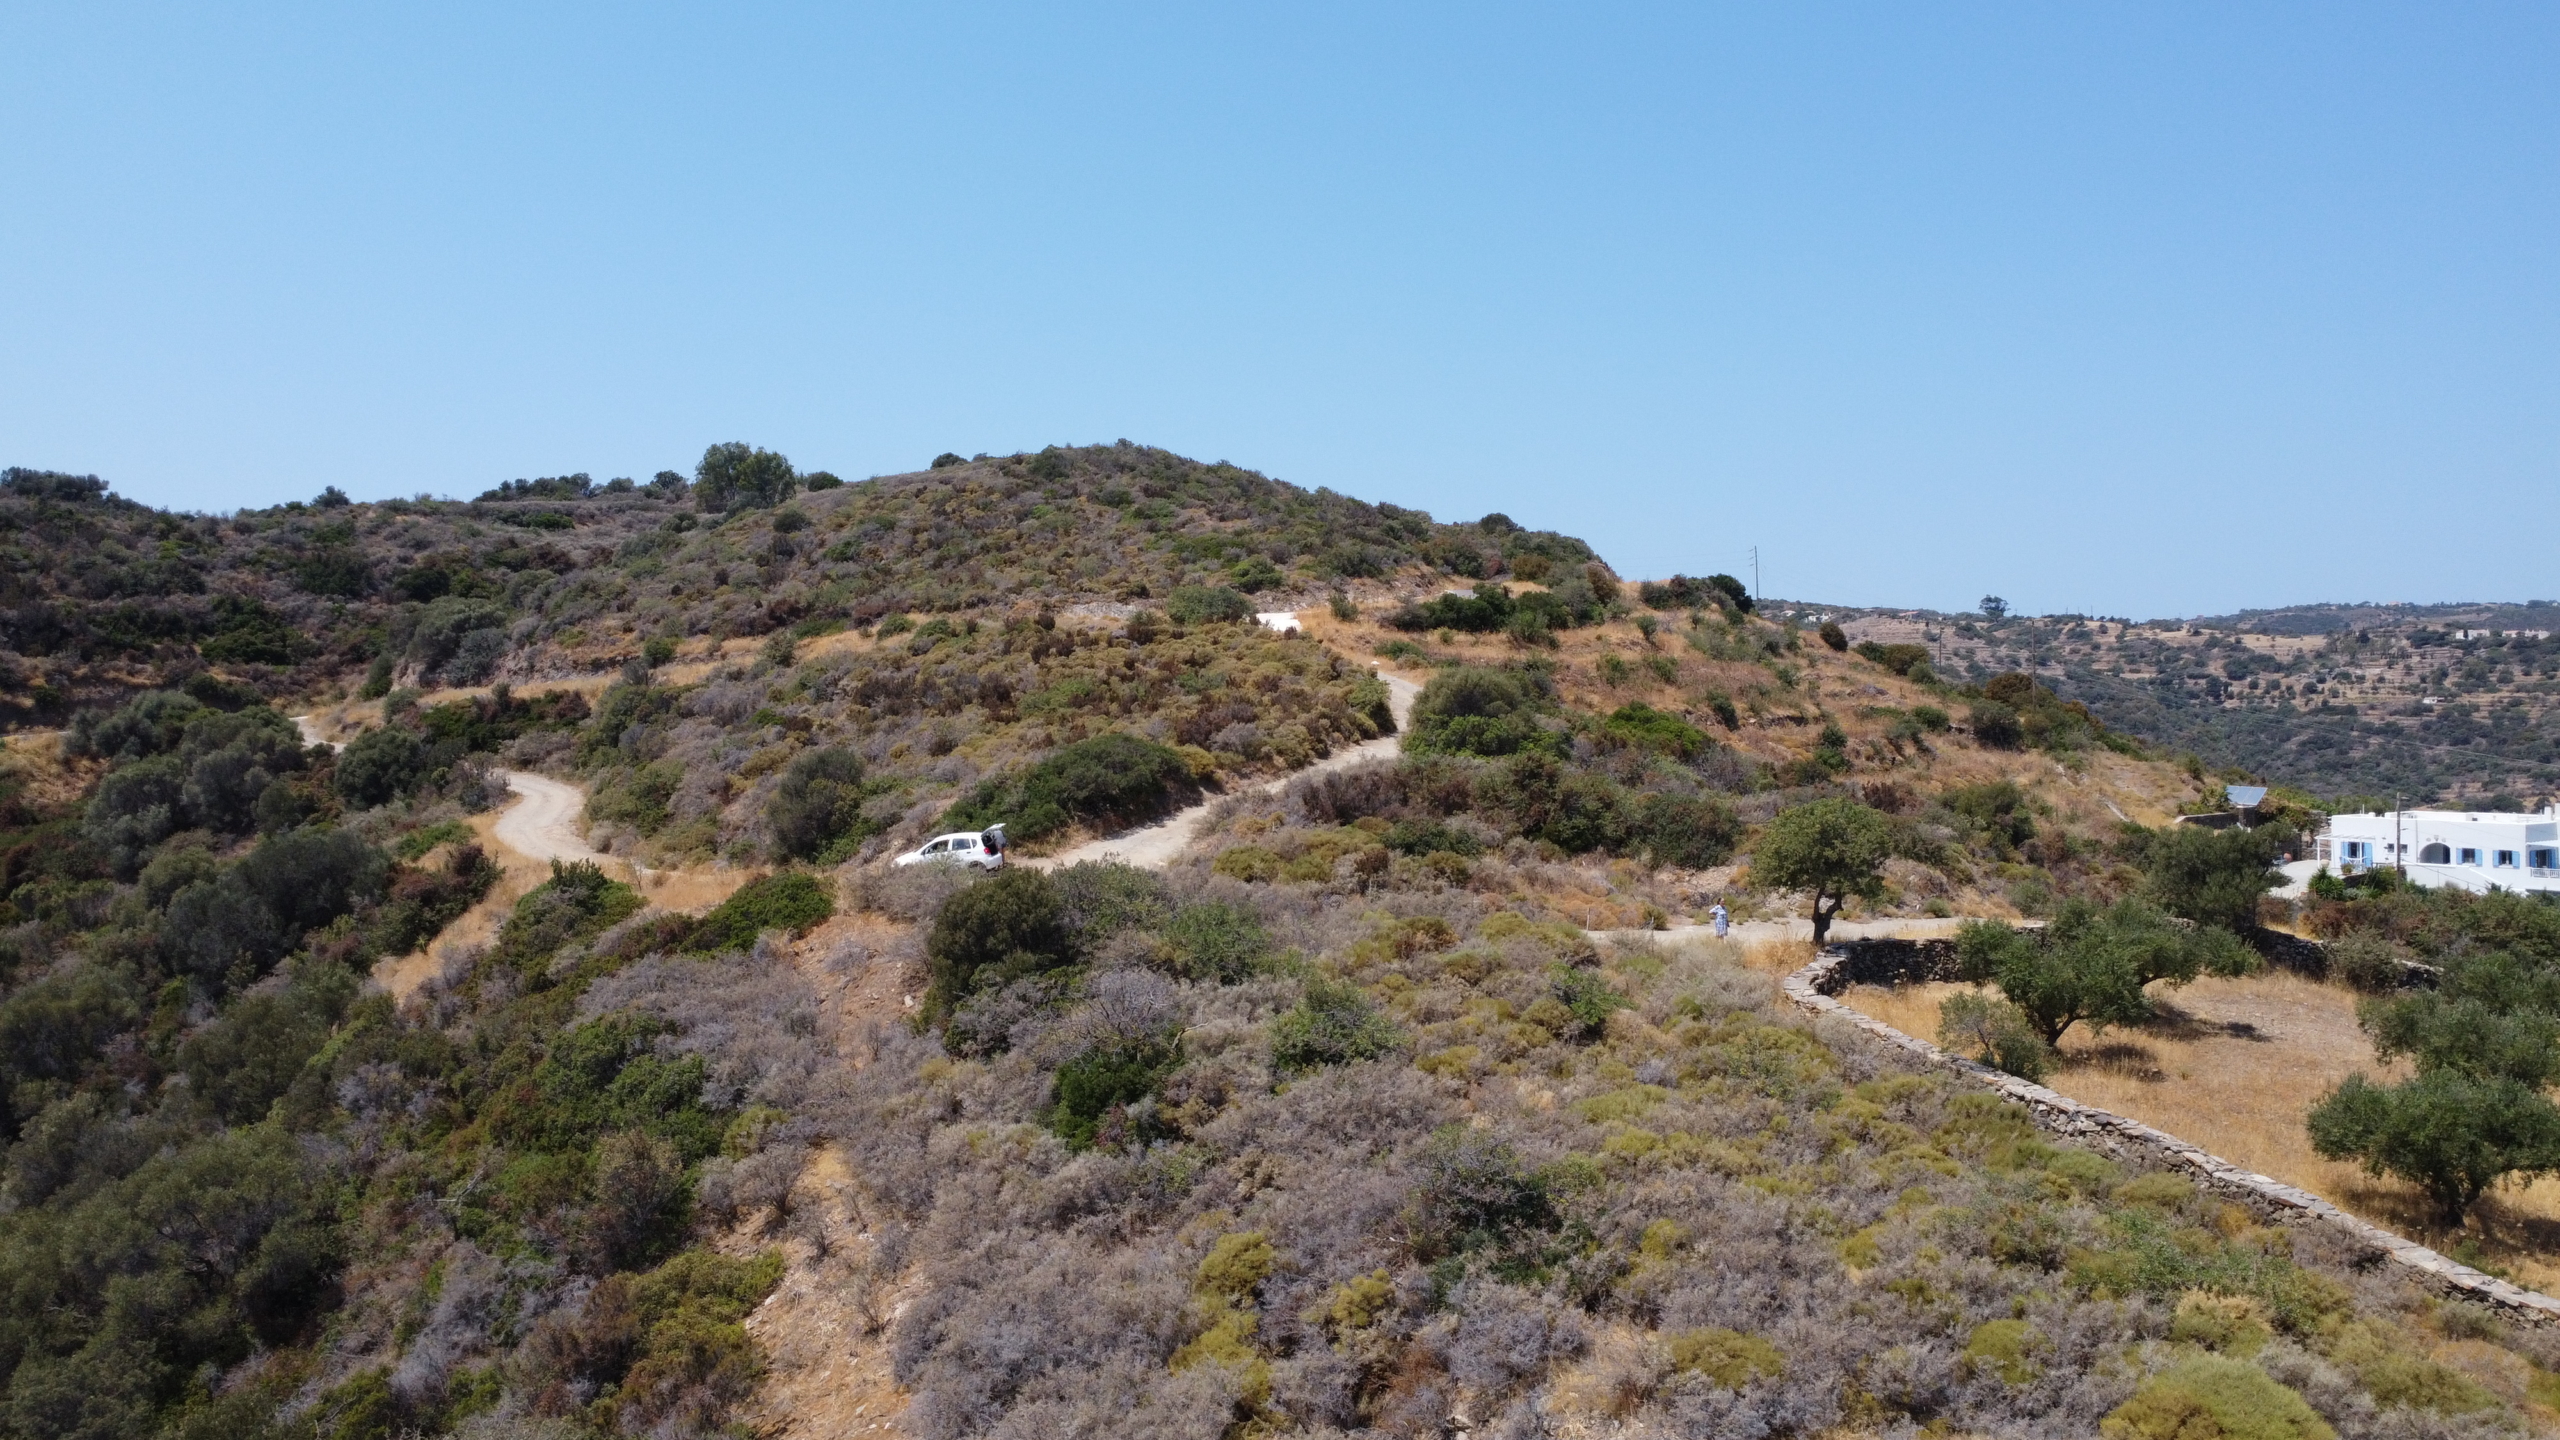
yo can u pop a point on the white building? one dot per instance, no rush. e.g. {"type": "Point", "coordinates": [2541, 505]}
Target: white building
{"type": "Point", "coordinates": [2475, 850]}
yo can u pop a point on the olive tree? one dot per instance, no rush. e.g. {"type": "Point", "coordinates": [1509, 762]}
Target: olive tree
{"type": "Point", "coordinates": [2486, 1044]}
{"type": "Point", "coordinates": [737, 476]}
{"type": "Point", "coordinates": [2212, 877]}
{"type": "Point", "coordinates": [2092, 964]}
{"type": "Point", "coordinates": [1834, 848]}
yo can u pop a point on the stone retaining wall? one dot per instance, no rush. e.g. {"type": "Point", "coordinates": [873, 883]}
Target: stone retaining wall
{"type": "Point", "coordinates": [1886, 962]}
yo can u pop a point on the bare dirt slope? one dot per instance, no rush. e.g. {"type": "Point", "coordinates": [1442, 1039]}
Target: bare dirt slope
{"type": "Point", "coordinates": [824, 1330]}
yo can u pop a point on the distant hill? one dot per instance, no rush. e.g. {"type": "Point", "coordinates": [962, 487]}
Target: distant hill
{"type": "Point", "coordinates": [2458, 703]}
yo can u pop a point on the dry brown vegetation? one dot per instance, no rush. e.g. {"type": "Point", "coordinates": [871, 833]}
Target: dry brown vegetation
{"type": "Point", "coordinates": [2234, 1066]}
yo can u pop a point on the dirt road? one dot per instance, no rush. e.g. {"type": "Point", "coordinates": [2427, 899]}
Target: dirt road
{"type": "Point", "coordinates": [1153, 847]}
{"type": "Point", "coordinates": [538, 827]}
{"type": "Point", "coordinates": [542, 824]}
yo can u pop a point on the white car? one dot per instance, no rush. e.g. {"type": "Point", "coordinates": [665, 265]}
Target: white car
{"type": "Point", "coordinates": [983, 849]}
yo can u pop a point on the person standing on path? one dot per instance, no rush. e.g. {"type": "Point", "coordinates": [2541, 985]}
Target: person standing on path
{"type": "Point", "coordinates": [1718, 914]}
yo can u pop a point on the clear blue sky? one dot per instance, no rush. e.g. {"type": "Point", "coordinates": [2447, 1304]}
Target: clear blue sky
{"type": "Point", "coordinates": [2146, 309]}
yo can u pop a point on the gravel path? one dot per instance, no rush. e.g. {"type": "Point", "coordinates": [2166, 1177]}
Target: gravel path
{"type": "Point", "coordinates": [1153, 847]}
{"type": "Point", "coordinates": [541, 824]}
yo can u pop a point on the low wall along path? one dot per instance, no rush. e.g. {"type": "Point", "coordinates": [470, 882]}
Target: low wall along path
{"type": "Point", "coordinates": [1886, 962]}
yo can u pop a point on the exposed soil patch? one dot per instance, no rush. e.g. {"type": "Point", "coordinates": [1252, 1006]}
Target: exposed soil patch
{"type": "Point", "coordinates": [824, 1330]}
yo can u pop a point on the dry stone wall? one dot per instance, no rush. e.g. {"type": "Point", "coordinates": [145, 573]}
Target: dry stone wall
{"type": "Point", "coordinates": [1887, 962]}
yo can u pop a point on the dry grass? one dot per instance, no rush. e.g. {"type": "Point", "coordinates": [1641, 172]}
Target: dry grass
{"type": "Point", "coordinates": [2234, 1066]}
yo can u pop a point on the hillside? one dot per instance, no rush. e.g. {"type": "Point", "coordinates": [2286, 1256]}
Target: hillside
{"type": "Point", "coordinates": [562, 576]}
{"type": "Point", "coordinates": [1379, 1110]}
{"type": "Point", "coordinates": [2457, 704]}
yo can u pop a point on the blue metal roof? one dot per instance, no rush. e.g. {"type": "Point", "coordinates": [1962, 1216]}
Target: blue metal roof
{"type": "Point", "coordinates": [2245, 797]}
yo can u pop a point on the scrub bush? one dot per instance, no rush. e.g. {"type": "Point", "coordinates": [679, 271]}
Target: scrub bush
{"type": "Point", "coordinates": [791, 900]}
{"type": "Point", "coordinates": [817, 807]}
{"type": "Point", "coordinates": [1332, 1024]}
{"type": "Point", "coordinates": [1207, 605]}
{"type": "Point", "coordinates": [1110, 780]}
{"type": "Point", "coordinates": [1001, 929]}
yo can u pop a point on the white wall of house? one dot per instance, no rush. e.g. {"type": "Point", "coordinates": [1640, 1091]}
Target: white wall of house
{"type": "Point", "coordinates": [2476, 850]}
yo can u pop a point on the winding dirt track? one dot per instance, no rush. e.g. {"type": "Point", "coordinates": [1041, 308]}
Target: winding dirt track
{"type": "Point", "coordinates": [1153, 847]}
{"type": "Point", "coordinates": [542, 824]}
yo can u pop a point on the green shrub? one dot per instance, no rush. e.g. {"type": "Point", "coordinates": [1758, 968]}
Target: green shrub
{"type": "Point", "coordinates": [816, 808]}
{"type": "Point", "coordinates": [1425, 837]}
{"type": "Point", "coordinates": [1207, 605]}
{"type": "Point", "coordinates": [1254, 574]}
{"type": "Point", "coordinates": [1729, 1358]}
{"type": "Point", "coordinates": [1109, 780]}
{"type": "Point", "coordinates": [1833, 636]}
{"type": "Point", "coordinates": [1586, 997]}
{"type": "Point", "coordinates": [1994, 1032]}
{"type": "Point", "coordinates": [1472, 710]}
{"type": "Point", "coordinates": [997, 930]}
{"type": "Point", "coordinates": [1997, 809]}
{"type": "Point", "coordinates": [578, 900]}
{"type": "Point", "coordinates": [2214, 1396]}
{"type": "Point", "coordinates": [380, 766]}
{"type": "Point", "coordinates": [250, 633]}
{"type": "Point", "coordinates": [1098, 899]}
{"type": "Point", "coordinates": [247, 1057]}
{"type": "Point", "coordinates": [1370, 700]}
{"type": "Point", "coordinates": [1332, 1024]}
{"type": "Point", "coordinates": [1090, 1088]}
{"type": "Point", "coordinates": [790, 900]}
{"type": "Point", "coordinates": [637, 797]}
{"type": "Point", "coordinates": [1897, 658]}
{"type": "Point", "coordinates": [1691, 831]}
{"type": "Point", "coordinates": [418, 842]}
{"type": "Point", "coordinates": [1644, 727]}
{"type": "Point", "coordinates": [2234, 1325]}
{"type": "Point", "coordinates": [1472, 1195]}
{"type": "Point", "coordinates": [680, 1331]}
{"type": "Point", "coordinates": [1217, 941]}
{"type": "Point", "coordinates": [1996, 726]}
{"type": "Point", "coordinates": [2368, 962]}
{"type": "Point", "coordinates": [1250, 863]}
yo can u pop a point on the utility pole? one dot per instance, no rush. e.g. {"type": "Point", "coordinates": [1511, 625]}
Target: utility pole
{"type": "Point", "coordinates": [1755, 575]}
{"type": "Point", "coordinates": [2399, 851]}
